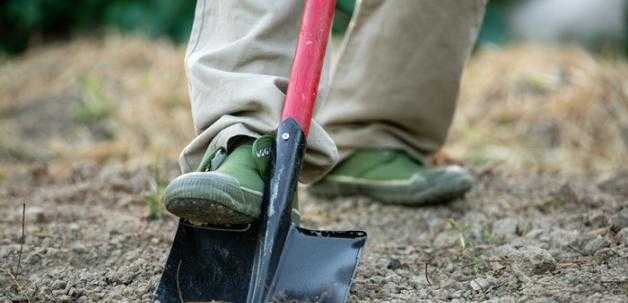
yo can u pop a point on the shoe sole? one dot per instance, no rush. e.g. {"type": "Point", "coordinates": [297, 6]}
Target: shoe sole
{"type": "Point", "coordinates": [211, 198]}
{"type": "Point", "coordinates": [403, 193]}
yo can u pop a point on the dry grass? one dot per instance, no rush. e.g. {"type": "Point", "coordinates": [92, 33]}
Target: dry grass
{"type": "Point", "coordinates": [124, 99]}
{"type": "Point", "coordinates": [121, 99]}
{"type": "Point", "coordinates": [543, 108]}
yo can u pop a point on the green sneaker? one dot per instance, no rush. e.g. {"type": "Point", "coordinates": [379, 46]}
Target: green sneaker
{"type": "Point", "coordinates": [224, 190]}
{"type": "Point", "coordinates": [392, 176]}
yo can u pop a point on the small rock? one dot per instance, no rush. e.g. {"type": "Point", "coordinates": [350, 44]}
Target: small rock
{"type": "Point", "coordinates": [566, 195]}
{"type": "Point", "coordinates": [482, 284]}
{"type": "Point", "coordinates": [531, 258]}
{"type": "Point", "coordinates": [64, 298]}
{"type": "Point", "coordinates": [73, 227]}
{"type": "Point", "coordinates": [36, 214]}
{"type": "Point", "coordinates": [5, 251]}
{"type": "Point", "coordinates": [596, 244]}
{"type": "Point", "coordinates": [617, 184]}
{"type": "Point", "coordinates": [598, 220]}
{"type": "Point", "coordinates": [543, 300]}
{"type": "Point", "coordinates": [620, 220]}
{"type": "Point", "coordinates": [32, 259]}
{"type": "Point", "coordinates": [73, 292]}
{"type": "Point", "coordinates": [114, 232]}
{"type": "Point", "coordinates": [59, 284]}
{"type": "Point", "coordinates": [390, 288]}
{"type": "Point", "coordinates": [79, 248]}
{"type": "Point", "coordinates": [18, 299]}
{"type": "Point", "coordinates": [507, 299]}
{"type": "Point", "coordinates": [505, 228]}
{"type": "Point", "coordinates": [393, 264]}
{"type": "Point", "coordinates": [622, 236]}
{"type": "Point", "coordinates": [534, 233]}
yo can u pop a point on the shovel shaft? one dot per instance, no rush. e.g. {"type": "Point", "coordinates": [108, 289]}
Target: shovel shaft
{"type": "Point", "coordinates": [276, 222]}
{"type": "Point", "coordinates": [308, 62]}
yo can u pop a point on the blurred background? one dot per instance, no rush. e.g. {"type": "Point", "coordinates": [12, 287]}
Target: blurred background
{"type": "Point", "coordinates": [598, 25]}
{"type": "Point", "coordinates": [102, 82]}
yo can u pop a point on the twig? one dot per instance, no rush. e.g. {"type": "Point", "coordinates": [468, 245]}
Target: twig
{"type": "Point", "coordinates": [19, 255]}
{"type": "Point", "coordinates": [426, 276]}
{"type": "Point", "coordinates": [18, 288]}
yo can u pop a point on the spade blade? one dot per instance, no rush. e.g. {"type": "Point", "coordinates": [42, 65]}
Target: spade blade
{"type": "Point", "coordinates": [207, 264]}
{"type": "Point", "coordinates": [317, 266]}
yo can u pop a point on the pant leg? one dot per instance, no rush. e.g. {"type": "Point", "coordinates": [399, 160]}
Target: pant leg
{"type": "Point", "coordinates": [237, 63]}
{"type": "Point", "coordinates": [396, 81]}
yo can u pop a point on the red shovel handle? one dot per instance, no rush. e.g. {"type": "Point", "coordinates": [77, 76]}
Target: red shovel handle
{"type": "Point", "coordinates": [308, 62]}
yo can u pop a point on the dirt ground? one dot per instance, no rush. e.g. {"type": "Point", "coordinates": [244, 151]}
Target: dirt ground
{"type": "Point", "coordinates": [90, 131]}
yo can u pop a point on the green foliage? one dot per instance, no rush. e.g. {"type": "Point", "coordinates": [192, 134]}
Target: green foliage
{"type": "Point", "coordinates": [23, 22]}
{"type": "Point", "coordinates": [94, 105]}
{"type": "Point", "coordinates": [154, 206]}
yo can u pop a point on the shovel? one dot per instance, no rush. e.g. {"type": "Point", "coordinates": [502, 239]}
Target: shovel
{"type": "Point", "coordinates": [272, 259]}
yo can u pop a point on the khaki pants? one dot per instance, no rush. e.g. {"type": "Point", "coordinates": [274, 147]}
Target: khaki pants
{"type": "Point", "coordinates": [394, 85]}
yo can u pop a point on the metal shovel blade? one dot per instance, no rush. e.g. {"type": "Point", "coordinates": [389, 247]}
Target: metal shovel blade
{"type": "Point", "coordinates": [207, 264]}
{"type": "Point", "coordinates": [317, 266]}
{"type": "Point", "coordinates": [211, 264]}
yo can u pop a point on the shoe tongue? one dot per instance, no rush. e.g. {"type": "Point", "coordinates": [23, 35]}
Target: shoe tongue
{"type": "Point", "coordinates": [262, 151]}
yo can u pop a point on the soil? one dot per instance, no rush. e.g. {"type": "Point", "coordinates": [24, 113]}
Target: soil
{"type": "Point", "coordinates": [90, 130]}
{"type": "Point", "coordinates": [526, 237]}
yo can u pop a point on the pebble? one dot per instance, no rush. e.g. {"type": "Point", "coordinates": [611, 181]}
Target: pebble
{"type": "Point", "coordinates": [419, 281]}
{"type": "Point", "coordinates": [482, 284]}
{"type": "Point", "coordinates": [622, 236]}
{"type": "Point", "coordinates": [73, 292]}
{"type": "Point", "coordinates": [78, 248]}
{"type": "Point", "coordinates": [505, 228]}
{"type": "Point", "coordinates": [533, 259]}
{"type": "Point", "coordinates": [58, 284]}
{"type": "Point", "coordinates": [36, 214]}
{"type": "Point", "coordinates": [32, 259]}
{"type": "Point", "coordinates": [17, 299]}
{"type": "Point", "coordinates": [394, 264]}
{"type": "Point", "coordinates": [596, 244]}
{"type": "Point", "coordinates": [74, 227]}
{"type": "Point", "coordinates": [507, 299]}
{"type": "Point", "coordinates": [620, 220]}
{"type": "Point", "coordinates": [4, 251]}
{"type": "Point", "coordinates": [598, 219]}
{"type": "Point", "coordinates": [617, 184]}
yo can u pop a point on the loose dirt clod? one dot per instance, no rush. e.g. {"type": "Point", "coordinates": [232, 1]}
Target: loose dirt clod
{"type": "Point", "coordinates": [534, 259]}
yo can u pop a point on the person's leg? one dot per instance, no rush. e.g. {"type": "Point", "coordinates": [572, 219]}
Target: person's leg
{"type": "Point", "coordinates": [395, 87]}
{"type": "Point", "coordinates": [237, 63]}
